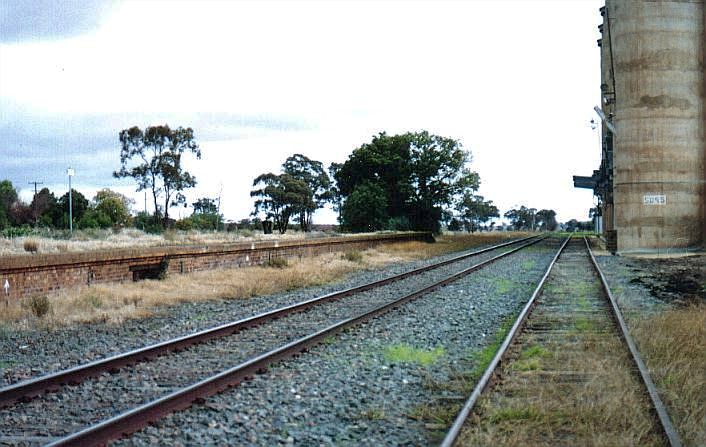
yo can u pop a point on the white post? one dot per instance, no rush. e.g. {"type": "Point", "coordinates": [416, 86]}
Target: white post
{"type": "Point", "coordinates": [70, 173]}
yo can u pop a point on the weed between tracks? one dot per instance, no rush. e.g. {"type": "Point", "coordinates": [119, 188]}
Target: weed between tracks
{"type": "Point", "coordinates": [569, 384]}
{"type": "Point", "coordinates": [113, 303]}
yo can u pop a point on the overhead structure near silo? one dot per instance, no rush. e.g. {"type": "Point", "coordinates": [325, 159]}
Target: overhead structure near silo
{"type": "Point", "coordinates": [651, 182]}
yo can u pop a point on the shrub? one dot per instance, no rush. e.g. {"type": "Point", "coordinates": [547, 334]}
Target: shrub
{"type": "Point", "coordinates": [278, 263]}
{"type": "Point", "coordinates": [31, 245]}
{"type": "Point", "coordinates": [39, 305]}
{"type": "Point", "coordinates": [353, 256]}
{"type": "Point", "coordinates": [163, 268]}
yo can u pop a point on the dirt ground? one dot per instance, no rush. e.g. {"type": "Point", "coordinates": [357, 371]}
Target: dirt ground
{"type": "Point", "coordinates": [679, 281]}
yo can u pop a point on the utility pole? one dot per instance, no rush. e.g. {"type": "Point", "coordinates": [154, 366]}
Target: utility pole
{"type": "Point", "coordinates": [35, 186]}
{"type": "Point", "coordinates": [36, 217]}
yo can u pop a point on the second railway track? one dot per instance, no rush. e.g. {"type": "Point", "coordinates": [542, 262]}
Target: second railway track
{"type": "Point", "coordinates": [36, 423]}
{"type": "Point", "coordinates": [568, 372]}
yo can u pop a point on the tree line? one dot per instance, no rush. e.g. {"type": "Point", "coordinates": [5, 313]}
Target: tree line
{"type": "Point", "coordinates": [410, 181]}
{"type": "Point", "coordinates": [107, 209]}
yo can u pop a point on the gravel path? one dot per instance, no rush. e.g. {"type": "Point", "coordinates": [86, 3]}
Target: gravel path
{"type": "Point", "coordinates": [357, 389]}
{"type": "Point", "coordinates": [26, 354]}
{"type": "Point", "coordinates": [95, 400]}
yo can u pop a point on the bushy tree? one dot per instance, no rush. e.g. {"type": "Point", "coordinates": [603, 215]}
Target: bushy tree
{"type": "Point", "coordinates": [79, 206]}
{"type": "Point", "coordinates": [205, 215]}
{"type": "Point", "coordinates": [154, 159]}
{"type": "Point", "coordinates": [546, 220]}
{"type": "Point", "coordinates": [365, 208]}
{"type": "Point", "coordinates": [474, 210]}
{"type": "Point", "coordinates": [313, 174]}
{"type": "Point", "coordinates": [280, 197]}
{"type": "Point", "coordinates": [44, 209]}
{"type": "Point", "coordinates": [522, 218]}
{"type": "Point", "coordinates": [115, 206]}
{"type": "Point", "coordinates": [8, 196]}
{"type": "Point", "coordinates": [420, 174]}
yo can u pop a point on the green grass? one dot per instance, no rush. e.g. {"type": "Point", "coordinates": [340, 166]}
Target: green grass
{"type": "Point", "coordinates": [483, 357]}
{"type": "Point", "coordinates": [435, 414]}
{"type": "Point", "coordinates": [533, 352]}
{"type": "Point", "coordinates": [373, 414]}
{"type": "Point", "coordinates": [407, 354]}
{"type": "Point", "coordinates": [528, 264]}
{"type": "Point", "coordinates": [6, 363]}
{"type": "Point", "coordinates": [503, 285]}
{"type": "Point", "coordinates": [582, 324]}
{"type": "Point", "coordinates": [530, 358]}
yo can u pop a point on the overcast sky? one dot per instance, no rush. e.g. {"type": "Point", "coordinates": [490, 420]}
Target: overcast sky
{"type": "Point", "coordinates": [514, 81]}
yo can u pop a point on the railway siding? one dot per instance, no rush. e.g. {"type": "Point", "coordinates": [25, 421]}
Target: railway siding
{"type": "Point", "coordinates": [568, 378]}
{"type": "Point", "coordinates": [36, 274]}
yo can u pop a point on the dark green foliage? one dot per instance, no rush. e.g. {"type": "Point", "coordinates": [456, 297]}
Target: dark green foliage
{"type": "Point", "coordinates": [280, 197]}
{"type": "Point", "coordinates": [204, 217]}
{"type": "Point", "coordinates": [474, 210]}
{"type": "Point", "coordinates": [158, 152]}
{"type": "Point", "coordinates": [546, 220]}
{"type": "Point", "coordinates": [79, 206]}
{"type": "Point", "coordinates": [163, 268]}
{"type": "Point", "coordinates": [145, 222]}
{"type": "Point", "coordinates": [313, 174]}
{"type": "Point", "coordinates": [419, 175]}
{"type": "Point", "coordinates": [365, 208]}
{"type": "Point", "coordinates": [522, 218]}
{"type": "Point", "coordinates": [8, 196]}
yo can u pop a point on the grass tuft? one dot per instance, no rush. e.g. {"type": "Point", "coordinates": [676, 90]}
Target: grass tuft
{"type": "Point", "coordinates": [407, 354]}
{"type": "Point", "coordinates": [39, 305]}
{"type": "Point", "coordinates": [353, 256]}
{"type": "Point", "coordinates": [278, 263]}
{"type": "Point", "coordinates": [31, 246]}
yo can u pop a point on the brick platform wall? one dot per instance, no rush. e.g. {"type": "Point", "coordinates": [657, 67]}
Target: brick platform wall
{"type": "Point", "coordinates": [37, 274]}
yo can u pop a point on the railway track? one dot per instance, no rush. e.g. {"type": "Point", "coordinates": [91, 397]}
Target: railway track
{"type": "Point", "coordinates": [168, 383]}
{"type": "Point", "coordinates": [568, 372]}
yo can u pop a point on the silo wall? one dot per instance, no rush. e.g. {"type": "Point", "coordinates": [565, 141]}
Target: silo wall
{"type": "Point", "coordinates": [659, 157]}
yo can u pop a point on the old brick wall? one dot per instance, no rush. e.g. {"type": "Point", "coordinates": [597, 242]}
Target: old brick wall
{"type": "Point", "coordinates": [37, 274]}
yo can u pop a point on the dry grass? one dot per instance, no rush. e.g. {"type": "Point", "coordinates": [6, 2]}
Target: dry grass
{"type": "Point", "coordinates": [673, 344]}
{"type": "Point", "coordinates": [133, 238]}
{"type": "Point", "coordinates": [568, 383]}
{"type": "Point", "coordinates": [564, 395]}
{"type": "Point", "coordinates": [113, 303]}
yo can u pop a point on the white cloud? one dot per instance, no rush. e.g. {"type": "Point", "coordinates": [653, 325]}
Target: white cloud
{"type": "Point", "coordinates": [515, 81]}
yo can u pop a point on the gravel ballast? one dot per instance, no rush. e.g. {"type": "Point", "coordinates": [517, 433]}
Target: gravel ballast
{"type": "Point", "coordinates": [355, 388]}
{"type": "Point", "coordinates": [31, 353]}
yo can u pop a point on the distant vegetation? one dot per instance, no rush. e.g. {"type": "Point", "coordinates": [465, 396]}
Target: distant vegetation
{"type": "Point", "coordinates": [153, 159]}
{"type": "Point", "coordinates": [412, 181]}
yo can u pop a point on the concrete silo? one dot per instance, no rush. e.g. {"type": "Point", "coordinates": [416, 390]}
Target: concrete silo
{"type": "Point", "coordinates": [654, 166]}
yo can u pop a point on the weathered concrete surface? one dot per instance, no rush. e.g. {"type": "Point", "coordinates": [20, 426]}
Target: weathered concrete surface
{"type": "Point", "coordinates": [660, 151]}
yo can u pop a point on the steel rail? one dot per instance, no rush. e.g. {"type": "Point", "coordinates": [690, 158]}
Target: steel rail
{"type": "Point", "coordinates": [33, 387]}
{"type": "Point", "coordinates": [137, 418]}
{"type": "Point", "coordinates": [665, 422]}
{"type": "Point", "coordinates": [662, 415]}
{"type": "Point", "coordinates": [455, 430]}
